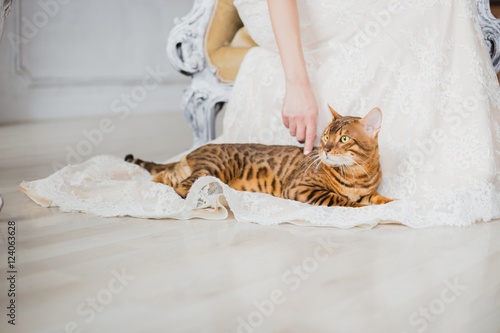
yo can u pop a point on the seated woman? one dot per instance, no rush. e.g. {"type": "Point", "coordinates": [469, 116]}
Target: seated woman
{"type": "Point", "coordinates": [423, 64]}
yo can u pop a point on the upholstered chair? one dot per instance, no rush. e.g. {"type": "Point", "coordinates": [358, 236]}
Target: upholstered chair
{"type": "Point", "coordinates": [209, 45]}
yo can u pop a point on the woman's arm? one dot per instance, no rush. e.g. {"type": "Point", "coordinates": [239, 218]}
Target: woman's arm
{"type": "Point", "coordinates": [299, 106]}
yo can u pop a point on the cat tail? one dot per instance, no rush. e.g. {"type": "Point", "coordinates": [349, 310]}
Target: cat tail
{"type": "Point", "coordinates": [152, 167]}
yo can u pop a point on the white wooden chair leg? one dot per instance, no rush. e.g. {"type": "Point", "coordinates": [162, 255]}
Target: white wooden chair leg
{"type": "Point", "coordinates": [201, 103]}
{"type": "Point", "coordinates": [206, 95]}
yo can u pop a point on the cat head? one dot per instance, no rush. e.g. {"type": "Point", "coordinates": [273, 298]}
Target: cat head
{"type": "Point", "coordinates": [350, 140]}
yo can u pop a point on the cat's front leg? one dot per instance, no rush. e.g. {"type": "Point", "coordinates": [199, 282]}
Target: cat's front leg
{"type": "Point", "coordinates": [327, 198]}
{"type": "Point", "coordinates": [375, 199]}
{"type": "Point", "coordinates": [319, 197]}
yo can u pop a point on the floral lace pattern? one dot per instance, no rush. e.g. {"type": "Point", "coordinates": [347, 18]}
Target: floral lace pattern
{"type": "Point", "coordinates": [422, 62]}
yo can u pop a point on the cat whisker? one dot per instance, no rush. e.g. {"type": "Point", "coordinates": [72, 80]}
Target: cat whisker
{"type": "Point", "coordinates": [314, 160]}
{"type": "Point", "coordinates": [312, 155]}
{"type": "Point", "coordinates": [363, 153]}
{"type": "Point", "coordinates": [319, 163]}
{"type": "Point", "coordinates": [350, 171]}
{"type": "Point", "coordinates": [353, 160]}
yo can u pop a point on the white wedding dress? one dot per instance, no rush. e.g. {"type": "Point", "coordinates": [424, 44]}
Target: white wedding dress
{"type": "Point", "coordinates": [423, 62]}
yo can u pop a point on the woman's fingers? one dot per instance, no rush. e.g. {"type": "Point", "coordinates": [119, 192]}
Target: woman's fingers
{"type": "Point", "coordinates": [304, 130]}
{"type": "Point", "coordinates": [300, 112]}
{"type": "Point", "coordinates": [310, 136]}
{"type": "Point", "coordinates": [306, 133]}
{"type": "Point", "coordinates": [292, 127]}
{"type": "Point", "coordinates": [286, 121]}
{"type": "Point", "coordinates": [301, 132]}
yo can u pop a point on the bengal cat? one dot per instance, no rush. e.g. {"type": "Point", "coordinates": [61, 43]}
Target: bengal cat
{"type": "Point", "coordinates": [343, 171]}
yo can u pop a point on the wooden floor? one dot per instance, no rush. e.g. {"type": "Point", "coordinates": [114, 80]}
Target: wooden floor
{"type": "Point", "coordinates": [81, 273]}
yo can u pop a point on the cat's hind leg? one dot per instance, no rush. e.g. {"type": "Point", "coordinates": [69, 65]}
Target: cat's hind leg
{"type": "Point", "coordinates": [169, 174]}
{"type": "Point", "coordinates": [184, 186]}
{"type": "Point", "coordinates": [174, 173]}
{"type": "Point", "coordinates": [164, 177]}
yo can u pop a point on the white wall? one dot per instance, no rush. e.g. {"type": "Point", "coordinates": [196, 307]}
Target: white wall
{"type": "Point", "coordinates": [78, 58]}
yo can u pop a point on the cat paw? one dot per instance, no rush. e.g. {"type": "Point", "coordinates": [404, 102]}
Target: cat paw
{"type": "Point", "coordinates": [380, 200]}
{"type": "Point", "coordinates": [375, 199]}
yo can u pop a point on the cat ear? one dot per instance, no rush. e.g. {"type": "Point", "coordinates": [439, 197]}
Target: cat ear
{"type": "Point", "coordinates": [334, 113]}
{"type": "Point", "coordinates": [372, 122]}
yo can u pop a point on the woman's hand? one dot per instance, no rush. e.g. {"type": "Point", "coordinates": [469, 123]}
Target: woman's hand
{"type": "Point", "coordinates": [299, 106]}
{"type": "Point", "coordinates": [300, 113]}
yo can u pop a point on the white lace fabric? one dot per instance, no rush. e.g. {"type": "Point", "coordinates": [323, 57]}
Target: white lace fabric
{"type": "Point", "coordinates": [423, 63]}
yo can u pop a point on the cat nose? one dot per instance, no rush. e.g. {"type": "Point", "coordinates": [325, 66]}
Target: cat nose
{"type": "Point", "coordinates": [327, 149]}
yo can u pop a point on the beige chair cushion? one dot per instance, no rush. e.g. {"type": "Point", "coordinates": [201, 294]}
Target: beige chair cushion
{"type": "Point", "coordinates": [227, 41]}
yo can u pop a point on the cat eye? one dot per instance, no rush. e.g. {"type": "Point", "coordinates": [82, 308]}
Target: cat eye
{"type": "Point", "coordinates": [325, 137]}
{"type": "Point", "coordinates": [345, 138]}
